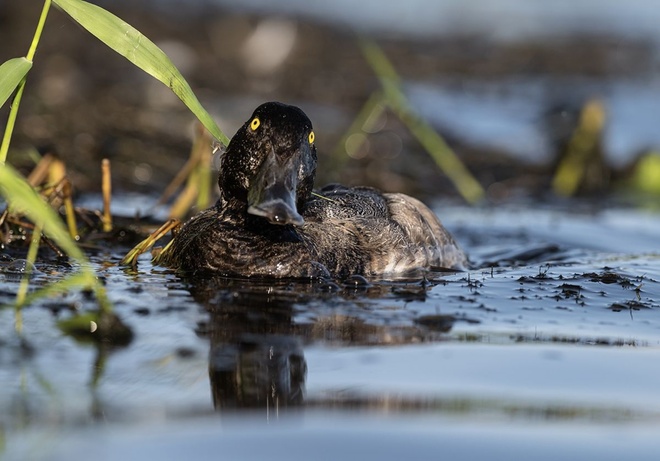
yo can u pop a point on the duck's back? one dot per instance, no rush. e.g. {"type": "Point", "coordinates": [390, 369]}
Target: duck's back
{"type": "Point", "coordinates": [361, 230]}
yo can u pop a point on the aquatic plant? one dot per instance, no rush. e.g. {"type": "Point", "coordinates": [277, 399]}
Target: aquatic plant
{"type": "Point", "coordinates": [391, 96]}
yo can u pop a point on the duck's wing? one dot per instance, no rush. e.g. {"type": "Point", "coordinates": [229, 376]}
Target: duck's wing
{"type": "Point", "coordinates": [428, 242]}
{"type": "Point", "coordinates": [361, 230]}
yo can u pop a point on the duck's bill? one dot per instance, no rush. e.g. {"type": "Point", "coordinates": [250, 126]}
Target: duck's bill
{"type": "Point", "coordinates": [273, 195]}
{"type": "Point", "coordinates": [277, 212]}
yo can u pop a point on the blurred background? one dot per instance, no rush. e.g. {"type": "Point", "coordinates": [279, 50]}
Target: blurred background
{"type": "Point", "coordinates": [507, 83]}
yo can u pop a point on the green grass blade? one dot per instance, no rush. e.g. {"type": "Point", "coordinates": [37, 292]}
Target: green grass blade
{"type": "Point", "coordinates": [432, 142]}
{"type": "Point", "coordinates": [130, 43]}
{"type": "Point", "coordinates": [75, 281]}
{"type": "Point", "coordinates": [23, 197]}
{"type": "Point", "coordinates": [11, 74]}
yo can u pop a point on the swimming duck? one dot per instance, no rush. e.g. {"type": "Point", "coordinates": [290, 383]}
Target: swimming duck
{"type": "Point", "coordinates": [269, 223]}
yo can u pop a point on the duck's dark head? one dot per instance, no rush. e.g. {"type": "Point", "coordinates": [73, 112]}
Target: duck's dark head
{"type": "Point", "coordinates": [270, 164]}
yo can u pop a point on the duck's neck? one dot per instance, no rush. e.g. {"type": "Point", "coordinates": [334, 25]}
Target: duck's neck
{"type": "Point", "coordinates": [232, 206]}
{"type": "Point", "coordinates": [235, 210]}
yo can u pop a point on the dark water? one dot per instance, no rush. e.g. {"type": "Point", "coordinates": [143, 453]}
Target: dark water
{"type": "Point", "coordinates": [550, 337]}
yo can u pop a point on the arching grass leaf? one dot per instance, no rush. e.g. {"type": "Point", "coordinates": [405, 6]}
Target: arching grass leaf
{"type": "Point", "coordinates": [130, 43]}
{"type": "Point", "coordinates": [23, 197]}
{"type": "Point", "coordinates": [11, 74]}
{"type": "Point", "coordinates": [16, 190]}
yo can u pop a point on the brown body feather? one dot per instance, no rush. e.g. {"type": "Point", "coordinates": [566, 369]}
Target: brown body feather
{"type": "Point", "coordinates": [350, 231]}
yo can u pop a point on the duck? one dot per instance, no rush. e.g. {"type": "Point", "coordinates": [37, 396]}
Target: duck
{"type": "Point", "coordinates": [270, 222]}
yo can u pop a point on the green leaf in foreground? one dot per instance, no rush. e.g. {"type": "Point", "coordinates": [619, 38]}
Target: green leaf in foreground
{"type": "Point", "coordinates": [11, 74]}
{"type": "Point", "coordinates": [130, 43]}
{"type": "Point", "coordinates": [23, 197]}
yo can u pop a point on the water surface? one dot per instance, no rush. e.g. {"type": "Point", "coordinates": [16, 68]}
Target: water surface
{"type": "Point", "coordinates": [552, 335]}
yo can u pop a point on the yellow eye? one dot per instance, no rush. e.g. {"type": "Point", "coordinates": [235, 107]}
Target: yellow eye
{"type": "Point", "coordinates": [254, 124]}
{"type": "Point", "coordinates": [311, 137]}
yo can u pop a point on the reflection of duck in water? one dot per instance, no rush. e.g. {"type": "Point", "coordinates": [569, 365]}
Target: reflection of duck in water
{"type": "Point", "coordinates": [257, 330]}
{"type": "Point", "coordinates": [257, 371]}
{"type": "Point", "coordinates": [268, 223]}
{"type": "Point", "coordinates": [256, 359]}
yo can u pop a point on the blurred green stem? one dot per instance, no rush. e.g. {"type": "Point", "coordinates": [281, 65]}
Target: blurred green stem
{"type": "Point", "coordinates": [202, 145]}
{"type": "Point", "coordinates": [444, 157]}
{"type": "Point", "coordinates": [371, 111]}
{"type": "Point", "coordinates": [25, 280]}
{"type": "Point", "coordinates": [13, 111]}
